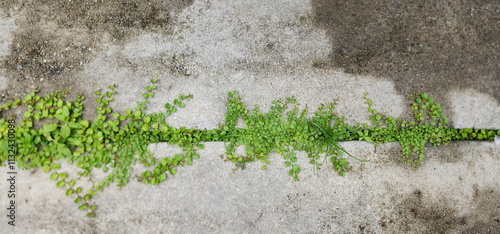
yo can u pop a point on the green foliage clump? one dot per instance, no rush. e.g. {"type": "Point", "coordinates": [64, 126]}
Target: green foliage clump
{"type": "Point", "coordinates": [284, 130]}
{"type": "Point", "coordinates": [429, 126]}
{"type": "Point", "coordinates": [52, 129]}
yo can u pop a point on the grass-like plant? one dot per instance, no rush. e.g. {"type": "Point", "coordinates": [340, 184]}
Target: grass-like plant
{"type": "Point", "coordinates": [52, 129]}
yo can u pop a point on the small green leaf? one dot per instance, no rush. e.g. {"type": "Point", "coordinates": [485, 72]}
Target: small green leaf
{"type": "Point", "coordinates": [61, 184]}
{"type": "Point", "coordinates": [54, 176]}
{"type": "Point", "coordinates": [343, 162]}
{"type": "Point", "coordinates": [84, 123]}
{"type": "Point", "coordinates": [49, 127]}
{"type": "Point", "coordinates": [138, 113]}
{"type": "Point", "coordinates": [65, 111]}
{"type": "Point", "coordinates": [75, 125]}
{"type": "Point", "coordinates": [173, 171]}
{"type": "Point", "coordinates": [162, 177]}
{"type": "Point", "coordinates": [64, 150]}
{"type": "Point", "coordinates": [69, 192]}
{"type": "Point", "coordinates": [46, 169]}
{"type": "Point", "coordinates": [153, 181]}
{"type": "Point", "coordinates": [83, 207]}
{"type": "Point", "coordinates": [27, 114]}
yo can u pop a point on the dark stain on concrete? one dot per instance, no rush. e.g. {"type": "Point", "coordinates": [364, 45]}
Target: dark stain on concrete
{"type": "Point", "coordinates": [418, 213]}
{"type": "Point", "coordinates": [423, 46]}
{"type": "Point", "coordinates": [487, 201]}
{"type": "Point", "coordinates": [56, 38]}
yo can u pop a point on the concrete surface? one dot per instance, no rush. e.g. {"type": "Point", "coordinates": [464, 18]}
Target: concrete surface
{"type": "Point", "coordinates": [268, 50]}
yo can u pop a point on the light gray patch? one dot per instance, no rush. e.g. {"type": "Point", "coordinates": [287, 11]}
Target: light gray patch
{"type": "Point", "coordinates": [451, 153]}
{"type": "Point", "coordinates": [472, 109]}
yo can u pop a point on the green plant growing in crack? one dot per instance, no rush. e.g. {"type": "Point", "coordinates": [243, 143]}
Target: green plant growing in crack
{"type": "Point", "coordinates": [52, 129]}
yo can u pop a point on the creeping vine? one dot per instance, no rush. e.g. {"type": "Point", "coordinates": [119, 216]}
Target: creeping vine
{"type": "Point", "coordinates": [52, 129]}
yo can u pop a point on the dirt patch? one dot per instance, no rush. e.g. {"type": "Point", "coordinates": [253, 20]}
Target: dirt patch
{"type": "Point", "coordinates": [423, 46]}
{"type": "Point", "coordinates": [487, 202]}
{"type": "Point", "coordinates": [419, 214]}
{"type": "Point", "coordinates": [56, 38]}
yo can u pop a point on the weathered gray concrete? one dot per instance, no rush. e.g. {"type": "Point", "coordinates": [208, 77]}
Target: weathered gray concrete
{"type": "Point", "coordinates": [266, 50]}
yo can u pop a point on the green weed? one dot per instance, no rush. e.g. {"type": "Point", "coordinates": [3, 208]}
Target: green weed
{"type": "Point", "coordinates": [52, 129]}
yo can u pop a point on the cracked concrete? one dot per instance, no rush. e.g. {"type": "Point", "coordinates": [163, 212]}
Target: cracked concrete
{"type": "Point", "coordinates": [266, 50]}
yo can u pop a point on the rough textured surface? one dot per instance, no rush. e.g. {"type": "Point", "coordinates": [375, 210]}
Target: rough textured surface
{"type": "Point", "coordinates": [420, 45]}
{"type": "Point", "coordinates": [316, 51]}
